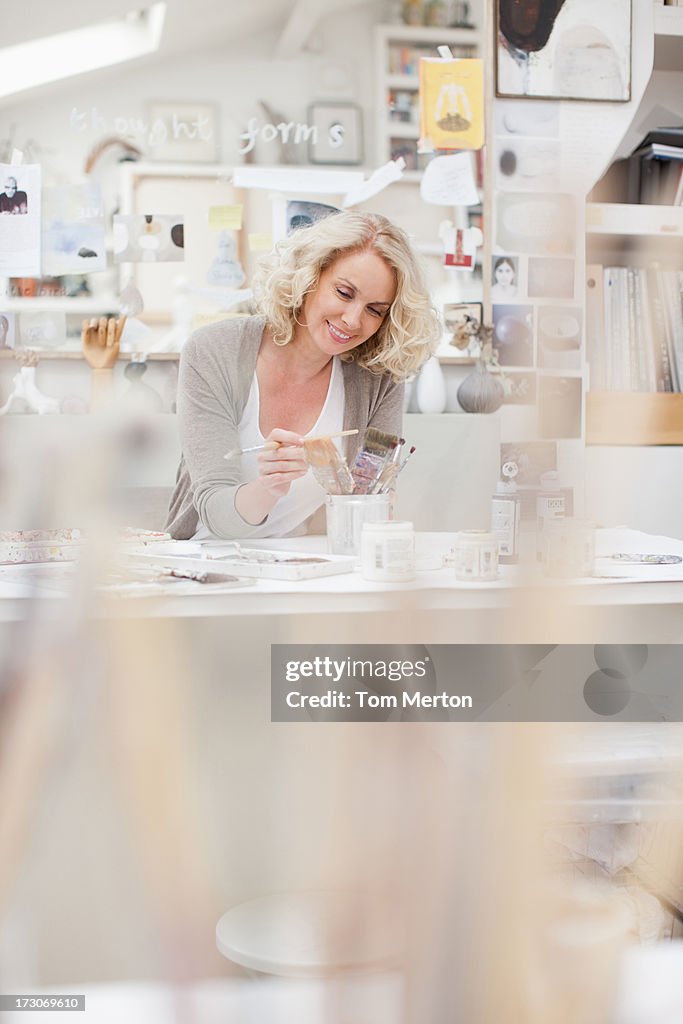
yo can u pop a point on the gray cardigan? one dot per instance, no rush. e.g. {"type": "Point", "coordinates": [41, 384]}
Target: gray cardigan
{"type": "Point", "coordinates": [216, 370]}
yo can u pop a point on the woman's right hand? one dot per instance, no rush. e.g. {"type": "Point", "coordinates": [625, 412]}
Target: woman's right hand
{"type": "Point", "coordinates": [280, 467]}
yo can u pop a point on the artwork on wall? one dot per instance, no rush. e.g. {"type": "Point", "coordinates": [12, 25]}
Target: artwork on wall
{"type": "Point", "coordinates": [529, 164]}
{"type": "Point", "coordinates": [519, 388]}
{"type": "Point", "coordinates": [550, 278]}
{"type": "Point", "coordinates": [539, 223]}
{"type": "Point", "coordinates": [301, 213]}
{"type": "Point", "coordinates": [559, 337]}
{"type": "Point", "coordinates": [7, 328]}
{"type": "Point", "coordinates": [73, 230]}
{"type": "Point", "coordinates": [462, 321]}
{"type": "Point", "coordinates": [451, 104]}
{"type": "Point", "coordinates": [148, 238]}
{"type": "Point", "coordinates": [513, 337]}
{"type": "Point", "coordinates": [337, 133]}
{"type": "Point", "coordinates": [564, 49]}
{"type": "Point", "coordinates": [532, 458]}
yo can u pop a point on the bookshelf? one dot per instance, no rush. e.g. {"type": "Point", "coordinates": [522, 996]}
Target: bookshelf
{"type": "Point", "coordinates": [398, 49]}
{"type": "Point", "coordinates": [623, 235]}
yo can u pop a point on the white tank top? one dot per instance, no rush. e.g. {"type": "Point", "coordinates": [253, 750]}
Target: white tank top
{"type": "Point", "coordinates": [305, 495]}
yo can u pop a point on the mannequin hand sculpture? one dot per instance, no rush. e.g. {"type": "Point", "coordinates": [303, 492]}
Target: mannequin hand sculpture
{"type": "Point", "coordinates": [100, 340]}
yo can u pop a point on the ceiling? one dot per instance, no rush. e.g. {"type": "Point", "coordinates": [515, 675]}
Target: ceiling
{"type": "Point", "coordinates": [188, 26]}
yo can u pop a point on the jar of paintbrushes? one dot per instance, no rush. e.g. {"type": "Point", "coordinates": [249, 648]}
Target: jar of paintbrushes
{"type": "Point", "coordinates": [361, 494]}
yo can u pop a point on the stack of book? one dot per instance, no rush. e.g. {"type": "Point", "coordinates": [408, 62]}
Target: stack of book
{"type": "Point", "coordinates": [634, 328]}
{"type": "Point", "coordinates": [655, 169]}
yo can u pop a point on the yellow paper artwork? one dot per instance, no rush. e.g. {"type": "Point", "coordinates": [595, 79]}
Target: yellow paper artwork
{"type": "Point", "coordinates": [451, 104]}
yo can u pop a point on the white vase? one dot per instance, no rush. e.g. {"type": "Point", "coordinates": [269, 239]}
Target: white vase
{"type": "Point", "coordinates": [431, 388]}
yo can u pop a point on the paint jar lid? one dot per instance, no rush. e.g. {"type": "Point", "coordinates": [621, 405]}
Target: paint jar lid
{"type": "Point", "coordinates": [476, 537]}
{"type": "Point", "coordinates": [387, 526]}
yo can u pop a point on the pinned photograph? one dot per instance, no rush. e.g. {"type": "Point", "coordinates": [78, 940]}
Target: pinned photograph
{"type": "Point", "coordinates": [504, 277]}
{"type": "Point", "coordinates": [550, 278]}
{"type": "Point", "coordinates": [7, 329]}
{"type": "Point", "coordinates": [149, 238]}
{"type": "Point", "coordinates": [572, 49]}
{"type": "Point", "coordinates": [513, 338]}
{"type": "Point", "coordinates": [540, 224]}
{"type": "Point", "coordinates": [300, 213]}
{"type": "Point", "coordinates": [519, 388]}
{"type": "Point", "coordinates": [534, 118]}
{"type": "Point", "coordinates": [13, 199]}
{"type": "Point", "coordinates": [528, 164]}
{"type": "Point", "coordinates": [532, 458]}
{"type": "Point", "coordinates": [462, 321]}
{"type": "Point", "coordinates": [20, 207]}
{"type": "Point", "coordinates": [73, 230]}
{"type": "Point", "coordinates": [559, 406]}
{"type": "Point", "coordinates": [559, 336]}
{"type": "Point", "coordinates": [39, 329]}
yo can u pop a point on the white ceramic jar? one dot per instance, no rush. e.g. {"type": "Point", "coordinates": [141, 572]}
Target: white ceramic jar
{"type": "Point", "coordinates": [387, 552]}
{"type": "Point", "coordinates": [476, 556]}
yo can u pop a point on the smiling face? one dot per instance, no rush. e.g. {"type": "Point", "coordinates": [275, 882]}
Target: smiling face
{"type": "Point", "coordinates": [348, 306]}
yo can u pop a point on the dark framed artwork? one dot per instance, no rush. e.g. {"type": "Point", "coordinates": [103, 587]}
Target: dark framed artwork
{"type": "Point", "coordinates": [337, 133]}
{"type": "Point", "coordinates": [564, 49]}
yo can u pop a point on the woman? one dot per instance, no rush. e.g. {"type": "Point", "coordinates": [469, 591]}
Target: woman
{"type": "Point", "coordinates": [504, 279]}
{"type": "Point", "coordinates": [345, 318]}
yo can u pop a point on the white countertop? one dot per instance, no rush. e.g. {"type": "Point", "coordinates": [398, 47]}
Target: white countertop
{"type": "Point", "coordinates": [434, 589]}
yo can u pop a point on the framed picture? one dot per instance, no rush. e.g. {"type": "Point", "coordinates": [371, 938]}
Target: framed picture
{"type": "Point", "coordinates": [577, 50]}
{"type": "Point", "coordinates": [461, 320]}
{"type": "Point", "coordinates": [336, 133]}
{"type": "Point", "coordinates": [183, 132]}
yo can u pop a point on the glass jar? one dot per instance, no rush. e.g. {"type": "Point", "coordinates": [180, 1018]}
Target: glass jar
{"type": "Point", "coordinates": [346, 514]}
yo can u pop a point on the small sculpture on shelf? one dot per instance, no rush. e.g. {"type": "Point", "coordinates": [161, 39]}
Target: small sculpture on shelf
{"type": "Point", "coordinates": [101, 338]}
{"type": "Point", "coordinates": [25, 391]}
{"type": "Point", "coordinates": [140, 397]}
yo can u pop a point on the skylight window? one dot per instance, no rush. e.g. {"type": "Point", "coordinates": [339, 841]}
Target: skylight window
{"type": "Point", "coordinates": [53, 58]}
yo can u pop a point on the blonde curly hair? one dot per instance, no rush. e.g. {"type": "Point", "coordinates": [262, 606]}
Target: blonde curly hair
{"type": "Point", "coordinates": [408, 333]}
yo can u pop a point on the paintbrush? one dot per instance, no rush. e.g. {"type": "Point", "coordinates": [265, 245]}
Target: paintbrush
{"type": "Point", "coordinates": [273, 445]}
{"type": "Point", "coordinates": [402, 464]}
{"type": "Point", "coordinates": [376, 451]}
{"type": "Point", "coordinates": [328, 466]}
{"type": "Point", "coordinates": [385, 480]}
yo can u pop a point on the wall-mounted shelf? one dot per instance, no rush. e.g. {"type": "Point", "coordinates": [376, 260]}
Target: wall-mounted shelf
{"type": "Point", "coordinates": [668, 38]}
{"type": "Point", "coordinates": [449, 360]}
{"type": "Point", "coordinates": [75, 305]}
{"type": "Point", "coordinates": [73, 354]}
{"type": "Point", "coordinates": [633, 219]}
{"type": "Point", "coordinates": [634, 418]}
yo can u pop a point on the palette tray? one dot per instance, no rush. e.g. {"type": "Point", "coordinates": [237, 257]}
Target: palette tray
{"type": "Point", "coordinates": [252, 563]}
